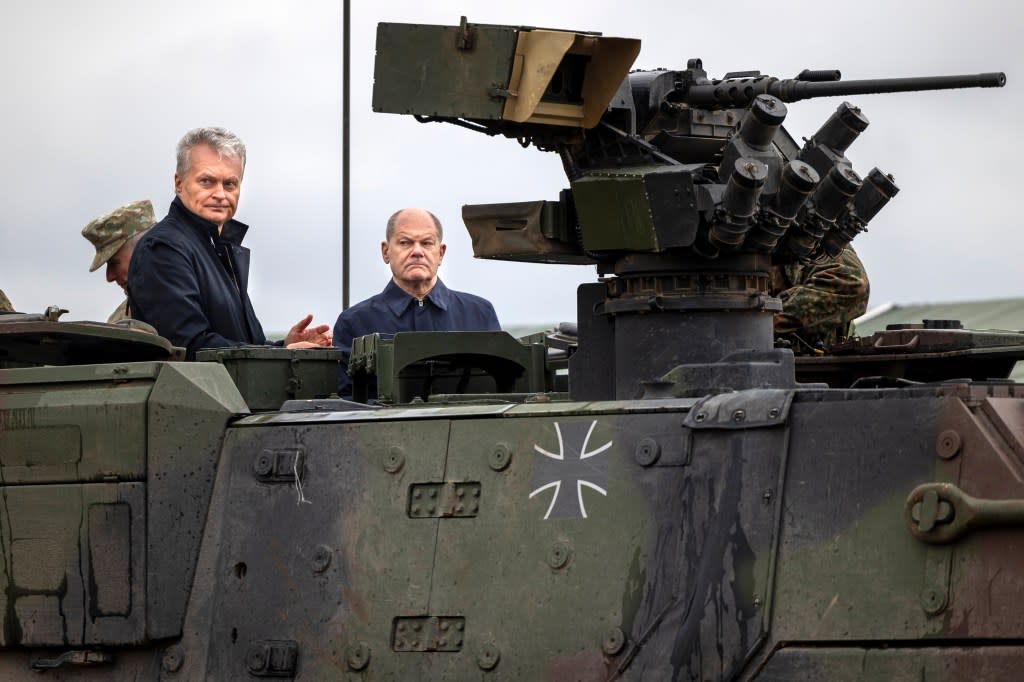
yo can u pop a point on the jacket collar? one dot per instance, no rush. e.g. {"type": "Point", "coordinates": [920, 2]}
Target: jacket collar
{"type": "Point", "coordinates": [233, 232]}
{"type": "Point", "coordinates": [398, 300]}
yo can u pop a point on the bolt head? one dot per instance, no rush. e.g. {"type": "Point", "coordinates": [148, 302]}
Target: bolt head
{"type": "Point", "coordinates": [256, 658]}
{"type": "Point", "coordinates": [948, 444]}
{"type": "Point", "coordinates": [321, 558]}
{"type": "Point", "coordinates": [614, 641]}
{"type": "Point", "coordinates": [487, 656]}
{"type": "Point", "coordinates": [394, 460]}
{"type": "Point", "coordinates": [647, 451]}
{"type": "Point", "coordinates": [264, 464]}
{"type": "Point", "coordinates": [500, 457]}
{"type": "Point", "coordinates": [559, 555]}
{"type": "Point", "coordinates": [357, 656]}
{"type": "Point", "coordinates": [173, 657]}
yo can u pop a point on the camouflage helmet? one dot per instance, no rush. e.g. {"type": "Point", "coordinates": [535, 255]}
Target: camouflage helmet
{"type": "Point", "coordinates": [5, 303]}
{"type": "Point", "coordinates": [109, 232]}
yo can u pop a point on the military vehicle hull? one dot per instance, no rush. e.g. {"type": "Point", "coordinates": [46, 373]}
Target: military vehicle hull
{"type": "Point", "coordinates": [760, 534]}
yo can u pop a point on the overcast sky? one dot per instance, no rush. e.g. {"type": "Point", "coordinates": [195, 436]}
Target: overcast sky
{"type": "Point", "coordinates": [96, 95]}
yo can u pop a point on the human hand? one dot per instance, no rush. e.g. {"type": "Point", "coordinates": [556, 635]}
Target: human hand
{"type": "Point", "coordinates": [301, 344]}
{"type": "Point", "coordinates": [319, 336]}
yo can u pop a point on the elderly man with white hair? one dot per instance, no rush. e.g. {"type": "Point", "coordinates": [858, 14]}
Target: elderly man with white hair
{"type": "Point", "coordinates": [189, 274]}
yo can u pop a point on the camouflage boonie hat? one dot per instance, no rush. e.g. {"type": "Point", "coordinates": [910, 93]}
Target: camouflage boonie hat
{"type": "Point", "coordinates": [109, 232]}
{"type": "Point", "coordinates": [5, 303]}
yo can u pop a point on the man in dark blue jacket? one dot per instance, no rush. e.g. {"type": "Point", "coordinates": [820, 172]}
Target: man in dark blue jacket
{"type": "Point", "coordinates": [415, 300]}
{"type": "Point", "coordinates": [189, 274]}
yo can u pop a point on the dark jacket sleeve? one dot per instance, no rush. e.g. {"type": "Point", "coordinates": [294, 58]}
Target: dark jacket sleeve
{"type": "Point", "coordinates": [343, 340]}
{"type": "Point", "coordinates": [163, 291]}
{"type": "Point", "coordinates": [491, 318]}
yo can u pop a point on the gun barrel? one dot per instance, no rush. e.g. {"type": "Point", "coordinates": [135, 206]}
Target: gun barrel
{"type": "Point", "coordinates": [741, 91]}
{"type": "Point", "coordinates": [794, 90]}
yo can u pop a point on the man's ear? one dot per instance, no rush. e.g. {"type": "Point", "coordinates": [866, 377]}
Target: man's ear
{"type": "Point", "coordinates": [384, 252]}
{"type": "Point", "coordinates": [444, 247]}
{"type": "Point", "coordinates": [177, 184]}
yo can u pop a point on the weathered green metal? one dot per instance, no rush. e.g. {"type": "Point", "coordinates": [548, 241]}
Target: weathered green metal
{"type": "Point", "coordinates": [268, 376]}
{"type": "Point", "coordinates": [105, 493]}
{"type": "Point", "coordinates": [640, 209]}
{"type": "Point", "coordinates": [417, 364]}
{"type": "Point", "coordinates": [451, 74]}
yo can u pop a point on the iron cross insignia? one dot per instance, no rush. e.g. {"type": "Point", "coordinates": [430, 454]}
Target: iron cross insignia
{"type": "Point", "coordinates": [574, 465]}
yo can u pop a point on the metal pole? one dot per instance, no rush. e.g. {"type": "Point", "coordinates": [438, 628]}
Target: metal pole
{"type": "Point", "coordinates": [346, 50]}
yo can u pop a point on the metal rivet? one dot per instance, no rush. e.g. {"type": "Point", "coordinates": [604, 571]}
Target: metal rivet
{"type": "Point", "coordinates": [487, 656]}
{"type": "Point", "coordinates": [256, 658]}
{"type": "Point", "coordinates": [647, 452]}
{"type": "Point", "coordinates": [757, 602]}
{"type": "Point", "coordinates": [500, 457]}
{"type": "Point", "coordinates": [700, 416]}
{"type": "Point", "coordinates": [321, 558]}
{"type": "Point", "coordinates": [613, 641]}
{"type": "Point", "coordinates": [172, 659]}
{"type": "Point", "coordinates": [767, 497]}
{"type": "Point", "coordinates": [264, 464]}
{"type": "Point", "coordinates": [932, 602]}
{"type": "Point", "coordinates": [394, 460]}
{"type": "Point", "coordinates": [948, 444]}
{"type": "Point", "coordinates": [558, 555]}
{"type": "Point", "coordinates": [739, 415]}
{"type": "Point", "coordinates": [357, 656]}
{"type": "Point", "coordinates": [774, 413]}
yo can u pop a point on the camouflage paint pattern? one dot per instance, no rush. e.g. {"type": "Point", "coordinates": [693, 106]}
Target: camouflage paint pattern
{"type": "Point", "coordinates": [758, 534]}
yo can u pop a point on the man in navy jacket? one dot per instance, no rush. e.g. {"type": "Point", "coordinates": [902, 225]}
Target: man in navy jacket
{"type": "Point", "coordinates": [415, 300]}
{"type": "Point", "coordinates": [189, 274]}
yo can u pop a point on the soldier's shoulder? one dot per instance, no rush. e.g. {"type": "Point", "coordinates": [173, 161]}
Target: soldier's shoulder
{"type": "Point", "coordinates": [121, 313]}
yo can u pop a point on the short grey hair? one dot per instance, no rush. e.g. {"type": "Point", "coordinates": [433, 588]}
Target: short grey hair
{"type": "Point", "coordinates": [390, 232]}
{"type": "Point", "coordinates": [220, 140]}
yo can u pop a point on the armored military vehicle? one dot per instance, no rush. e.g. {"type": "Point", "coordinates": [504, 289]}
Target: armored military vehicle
{"type": "Point", "coordinates": [655, 493]}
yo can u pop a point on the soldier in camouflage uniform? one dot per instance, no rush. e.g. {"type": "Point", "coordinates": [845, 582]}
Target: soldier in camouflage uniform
{"type": "Point", "coordinates": [819, 300]}
{"type": "Point", "coordinates": [114, 235]}
{"type": "Point", "coordinates": [5, 303]}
